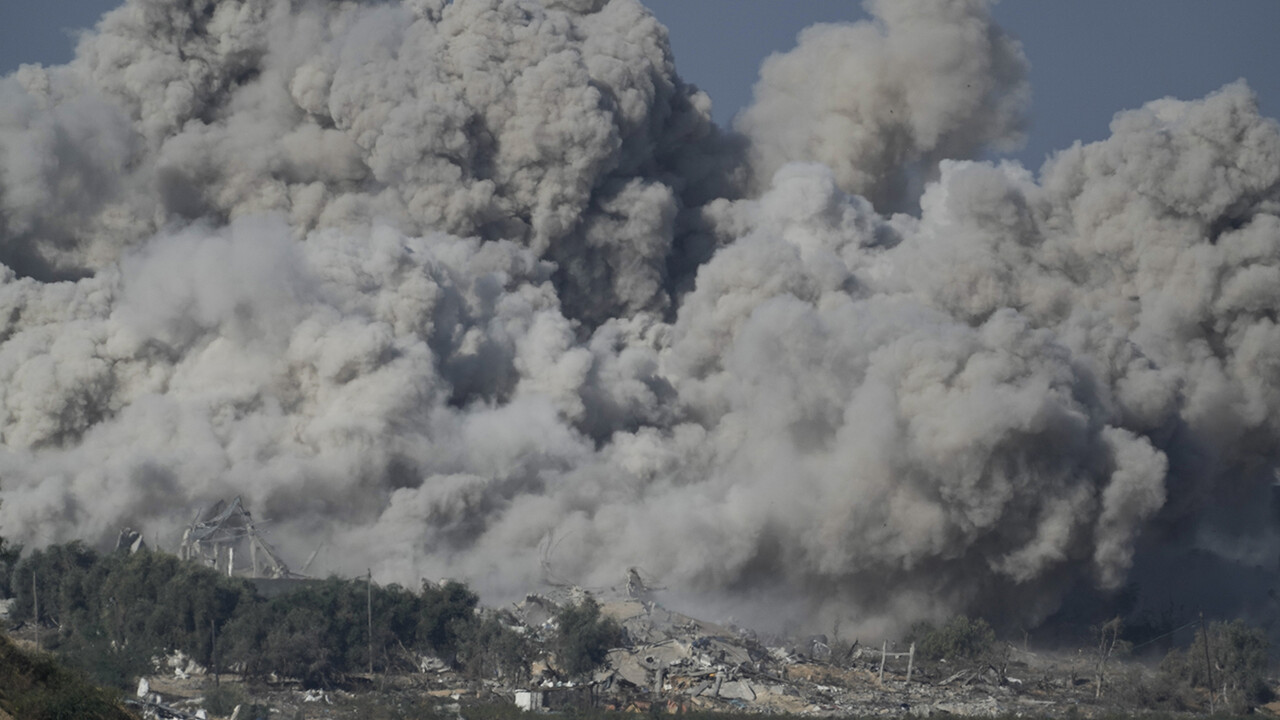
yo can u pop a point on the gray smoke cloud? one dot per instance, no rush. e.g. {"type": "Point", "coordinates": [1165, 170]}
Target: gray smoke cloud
{"type": "Point", "coordinates": [881, 103]}
{"type": "Point", "coordinates": [477, 289]}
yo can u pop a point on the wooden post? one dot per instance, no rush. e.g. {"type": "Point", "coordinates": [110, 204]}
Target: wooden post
{"type": "Point", "coordinates": [911, 661]}
{"type": "Point", "coordinates": [35, 599]}
{"type": "Point", "coordinates": [370, 602]}
{"type": "Point", "coordinates": [884, 652]}
{"type": "Point", "coordinates": [1208, 666]}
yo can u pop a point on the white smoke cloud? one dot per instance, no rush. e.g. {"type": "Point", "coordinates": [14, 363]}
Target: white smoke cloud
{"type": "Point", "coordinates": [477, 289]}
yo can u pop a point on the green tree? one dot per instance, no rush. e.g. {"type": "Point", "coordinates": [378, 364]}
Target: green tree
{"type": "Point", "coordinates": [9, 555]}
{"type": "Point", "coordinates": [319, 633]}
{"type": "Point", "coordinates": [491, 649]}
{"type": "Point", "coordinates": [1238, 654]}
{"type": "Point", "coordinates": [960, 639]}
{"type": "Point", "coordinates": [583, 638]}
{"type": "Point", "coordinates": [60, 576]}
{"type": "Point", "coordinates": [445, 613]}
{"type": "Point", "coordinates": [116, 611]}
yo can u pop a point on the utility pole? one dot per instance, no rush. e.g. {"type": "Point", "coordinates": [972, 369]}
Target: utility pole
{"type": "Point", "coordinates": [370, 607]}
{"type": "Point", "coordinates": [911, 661]}
{"type": "Point", "coordinates": [35, 599]}
{"type": "Point", "coordinates": [1208, 666]}
{"type": "Point", "coordinates": [213, 652]}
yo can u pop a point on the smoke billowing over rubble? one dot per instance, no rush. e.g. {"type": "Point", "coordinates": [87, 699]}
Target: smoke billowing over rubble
{"type": "Point", "coordinates": [477, 289]}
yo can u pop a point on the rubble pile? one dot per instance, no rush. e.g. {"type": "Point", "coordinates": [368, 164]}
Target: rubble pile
{"type": "Point", "coordinates": [679, 664]}
{"type": "Point", "coordinates": [674, 663]}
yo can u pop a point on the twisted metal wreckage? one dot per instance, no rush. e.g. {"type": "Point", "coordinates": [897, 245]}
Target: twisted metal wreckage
{"type": "Point", "coordinates": [214, 537]}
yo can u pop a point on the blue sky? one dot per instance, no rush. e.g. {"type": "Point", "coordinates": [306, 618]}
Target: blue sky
{"type": "Point", "coordinates": [1089, 58]}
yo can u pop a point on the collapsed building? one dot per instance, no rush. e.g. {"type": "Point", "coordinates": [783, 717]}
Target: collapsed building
{"type": "Point", "coordinates": [676, 663]}
{"type": "Point", "coordinates": [664, 661]}
{"type": "Point", "coordinates": [225, 532]}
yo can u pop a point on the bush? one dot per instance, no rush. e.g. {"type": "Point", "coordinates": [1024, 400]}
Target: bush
{"type": "Point", "coordinates": [490, 649]}
{"type": "Point", "coordinates": [35, 687]}
{"type": "Point", "coordinates": [1161, 692]}
{"type": "Point", "coordinates": [961, 639]}
{"type": "Point", "coordinates": [1238, 653]}
{"type": "Point", "coordinates": [110, 666]}
{"type": "Point", "coordinates": [222, 700]}
{"type": "Point", "coordinates": [583, 638]}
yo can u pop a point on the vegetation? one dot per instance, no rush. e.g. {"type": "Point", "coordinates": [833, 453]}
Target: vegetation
{"type": "Point", "coordinates": [115, 613]}
{"type": "Point", "coordinates": [35, 687]}
{"type": "Point", "coordinates": [583, 638]}
{"type": "Point", "coordinates": [491, 649]}
{"type": "Point", "coordinates": [222, 700]}
{"type": "Point", "coordinates": [446, 613]}
{"type": "Point", "coordinates": [109, 617]}
{"type": "Point", "coordinates": [1107, 636]}
{"type": "Point", "coordinates": [9, 554]}
{"type": "Point", "coordinates": [1237, 654]}
{"type": "Point", "coordinates": [960, 639]}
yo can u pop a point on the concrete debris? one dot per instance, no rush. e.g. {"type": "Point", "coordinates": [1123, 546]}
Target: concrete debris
{"type": "Point", "coordinates": [156, 710]}
{"type": "Point", "coordinates": [536, 612]}
{"type": "Point", "coordinates": [677, 663]}
{"type": "Point", "coordinates": [180, 664]}
{"type": "Point", "coordinates": [314, 696]}
{"type": "Point", "coordinates": [673, 663]}
{"type": "Point", "coordinates": [431, 664]}
{"type": "Point", "coordinates": [737, 690]}
{"type": "Point", "coordinates": [529, 700]}
{"type": "Point", "coordinates": [628, 666]}
{"type": "Point", "coordinates": [130, 541]}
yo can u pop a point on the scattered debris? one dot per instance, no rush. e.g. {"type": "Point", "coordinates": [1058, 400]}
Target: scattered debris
{"type": "Point", "coordinates": [680, 663]}
{"type": "Point", "coordinates": [675, 663]}
{"type": "Point", "coordinates": [130, 541]}
{"type": "Point", "coordinates": [529, 699]}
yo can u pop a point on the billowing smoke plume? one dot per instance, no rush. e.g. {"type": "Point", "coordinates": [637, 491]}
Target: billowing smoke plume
{"type": "Point", "coordinates": [881, 103]}
{"type": "Point", "coordinates": [477, 289]}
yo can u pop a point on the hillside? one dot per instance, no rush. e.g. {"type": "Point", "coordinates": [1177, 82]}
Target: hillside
{"type": "Point", "coordinates": [34, 687]}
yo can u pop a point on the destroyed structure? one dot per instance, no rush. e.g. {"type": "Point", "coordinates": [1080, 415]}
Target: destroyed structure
{"type": "Point", "coordinates": [671, 662]}
{"type": "Point", "coordinates": [130, 541]}
{"type": "Point", "coordinates": [668, 662]}
{"type": "Point", "coordinates": [676, 663]}
{"type": "Point", "coordinates": [223, 535]}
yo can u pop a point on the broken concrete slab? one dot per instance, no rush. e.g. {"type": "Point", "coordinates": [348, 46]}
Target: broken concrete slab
{"type": "Point", "coordinates": [738, 690]}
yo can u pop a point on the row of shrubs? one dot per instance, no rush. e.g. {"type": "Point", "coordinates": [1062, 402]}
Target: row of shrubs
{"type": "Point", "coordinates": [112, 614]}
